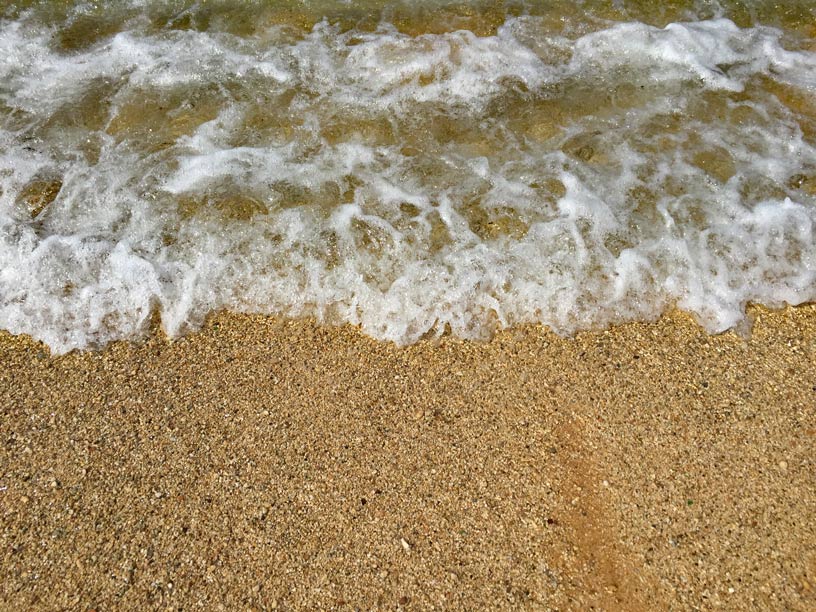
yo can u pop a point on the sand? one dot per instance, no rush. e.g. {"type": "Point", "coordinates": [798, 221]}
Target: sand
{"type": "Point", "coordinates": [263, 464]}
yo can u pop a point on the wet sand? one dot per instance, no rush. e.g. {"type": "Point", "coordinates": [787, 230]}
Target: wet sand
{"type": "Point", "coordinates": [264, 464]}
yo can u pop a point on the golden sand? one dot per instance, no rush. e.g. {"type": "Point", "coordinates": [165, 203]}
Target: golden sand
{"type": "Point", "coordinates": [264, 464]}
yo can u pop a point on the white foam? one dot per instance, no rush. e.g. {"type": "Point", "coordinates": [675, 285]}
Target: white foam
{"type": "Point", "coordinates": [375, 228]}
{"type": "Point", "coordinates": [716, 51]}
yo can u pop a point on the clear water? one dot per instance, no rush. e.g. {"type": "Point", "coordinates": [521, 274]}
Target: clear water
{"type": "Point", "coordinates": [409, 167]}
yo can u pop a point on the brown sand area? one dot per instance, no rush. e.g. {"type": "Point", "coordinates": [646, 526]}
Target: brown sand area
{"type": "Point", "coordinates": [264, 464]}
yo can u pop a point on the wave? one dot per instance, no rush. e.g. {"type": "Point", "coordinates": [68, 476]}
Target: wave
{"type": "Point", "coordinates": [407, 183]}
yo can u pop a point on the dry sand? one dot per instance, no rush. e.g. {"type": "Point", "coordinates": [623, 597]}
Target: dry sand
{"type": "Point", "coordinates": [264, 464]}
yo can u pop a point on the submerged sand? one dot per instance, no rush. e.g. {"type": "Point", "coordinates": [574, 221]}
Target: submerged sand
{"type": "Point", "coordinates": [264, 464]}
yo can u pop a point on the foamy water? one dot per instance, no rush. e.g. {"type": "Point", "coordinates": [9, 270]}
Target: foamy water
{"type": "Point", "coordinates": [407, 167]}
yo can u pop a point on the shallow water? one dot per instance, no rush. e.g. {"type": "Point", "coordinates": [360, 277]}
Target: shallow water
{"type": "Point", "coordinates": [408, 167]}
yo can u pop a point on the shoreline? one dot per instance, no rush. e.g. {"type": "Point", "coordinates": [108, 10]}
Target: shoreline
{"type": "Point", "coordinates": [279, 464]}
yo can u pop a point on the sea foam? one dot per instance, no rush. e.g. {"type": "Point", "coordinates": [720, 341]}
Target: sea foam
{"type": "Point", "coordinates": [404, 183]}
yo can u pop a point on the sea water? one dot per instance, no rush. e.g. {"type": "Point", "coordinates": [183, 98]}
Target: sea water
{"type": "Point", "coordinates": [407, 167]}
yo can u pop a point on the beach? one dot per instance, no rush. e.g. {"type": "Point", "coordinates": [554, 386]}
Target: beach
{"type": "Point", "coordinates": [269, 464]}
{"type": "Point", "coordinates": [493, 259]}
